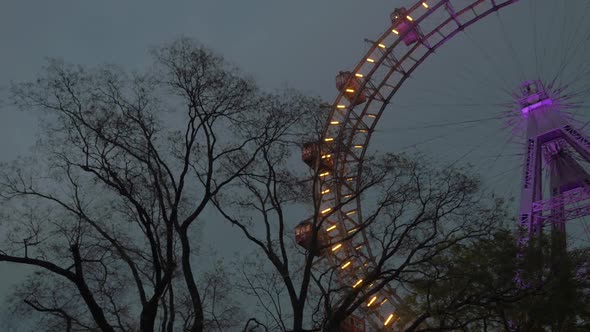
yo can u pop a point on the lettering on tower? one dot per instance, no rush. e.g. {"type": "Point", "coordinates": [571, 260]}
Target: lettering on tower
{"type": "Point", "coordinates": [529, 164]}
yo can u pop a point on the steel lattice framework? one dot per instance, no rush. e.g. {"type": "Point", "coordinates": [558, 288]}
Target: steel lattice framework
{"type": "Point", "coordinates": [550, 137]}
{"type": "Point", "coordinates": [346, 135]}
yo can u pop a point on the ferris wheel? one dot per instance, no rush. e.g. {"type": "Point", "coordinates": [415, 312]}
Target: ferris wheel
{"type": "Point", "coordinates": [518, 115]}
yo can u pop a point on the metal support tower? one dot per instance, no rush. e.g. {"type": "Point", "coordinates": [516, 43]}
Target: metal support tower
{"type": "Point", "coordinates": [553, 148]}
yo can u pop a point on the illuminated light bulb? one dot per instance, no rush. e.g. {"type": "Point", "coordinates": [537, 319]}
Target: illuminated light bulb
{"type": "Point", "coordinates": [329, 139]}
{"type": "Point", "coordinates": [334, 122]}
{"type": "Point", "coordinates": [352, 230]}
{"type": "Point", "coordinates": [409, 18]}
{"type": "Point", "coordinates": [363, 130]}
{"type": "Point", "coordinates": [381, 45]}
{"type": "Point", "coordinates": [348, 196]}
{"type": "Point", "coordinates": [371, 115]}
{"type": "Point", "coordinates": [350, 179]}
{"type": "Point", "coordinates": [358, 247]}
{"type": "Point", "coordinates": [357, 283]}
{"type": "Point", "coordinates": [336, 247]}
{"type": "Point", "coordinates": [370, 60]}
{"type": "Point", "coordinates": [395, 31]}
{"type": "Point", "coordinates": [350, 212]}
{"type": "Point", "coordinates": [331, 228]}
{"type": "Point", "coordinates": [383, 302]}
{"type": "Point", "coordinates": [326, 210]}
{"type": "Point", "coordinates": [350, 90]}
{"type": "Point", "coordinates": [340, 106]}
{"type": "Point", "coordinates": [325, 191]}
{"type": "Point", "coordinates": [372, 301]}
{"type": "Point", "coordinates": [326, 156]}
{"type": "Point", "coordinates": [347, 264]}
{"type": "Point", "coordinates": [359, 75]}
{"type": "Point", "coordinates": [358, 146]}
{"type": "Point", "coordinates": [324, 174]}
{"type": "Point", "coordinates": [388, 320]}
{"type": "Point", "coordinates": [425, 5]}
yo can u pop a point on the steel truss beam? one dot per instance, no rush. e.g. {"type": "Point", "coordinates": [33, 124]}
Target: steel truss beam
{"type": "Point", "coordinates": [348, 129]}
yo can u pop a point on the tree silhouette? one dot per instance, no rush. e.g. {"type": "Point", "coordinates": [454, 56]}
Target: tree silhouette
{"type": "Point", "coordinates": [106, 208]}
{"type": "Point", "coordinates": [415, 213]}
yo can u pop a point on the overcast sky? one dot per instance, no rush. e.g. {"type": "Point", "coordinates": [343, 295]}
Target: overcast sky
{"type": "Point", "coordinates": [281, 43]}
{"type": "Point", "coordinates": [299, 44]}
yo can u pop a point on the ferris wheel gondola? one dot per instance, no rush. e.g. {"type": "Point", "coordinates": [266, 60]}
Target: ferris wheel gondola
{"type": "Point", "coordinates": [365, 93]}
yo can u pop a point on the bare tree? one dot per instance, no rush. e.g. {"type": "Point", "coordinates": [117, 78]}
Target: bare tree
{"type": "Point", "coordinates": [413, 214]}
{"type": "Point", "coordinates": [127, 165]}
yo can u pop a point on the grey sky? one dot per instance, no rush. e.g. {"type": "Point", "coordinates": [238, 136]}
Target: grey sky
{"type": "Point", "coordinates": [299, 44]}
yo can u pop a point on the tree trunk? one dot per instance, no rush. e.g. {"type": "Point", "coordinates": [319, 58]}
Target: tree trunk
{"type": "Point", "coordinates": [148, 316]}
{"type": "Point", "coordinates": [190, 282]}
{"type": "Point", "coordinates": [86, 293]}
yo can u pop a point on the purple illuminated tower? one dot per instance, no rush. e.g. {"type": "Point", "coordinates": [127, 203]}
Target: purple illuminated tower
{"type": "Point", "coordinates": [553, 148]}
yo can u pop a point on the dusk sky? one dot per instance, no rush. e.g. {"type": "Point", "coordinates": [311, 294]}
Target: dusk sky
{"type": "Point", "coordinates": [280, 43]}
{"type": "Point", "coordinates": [295, 44]}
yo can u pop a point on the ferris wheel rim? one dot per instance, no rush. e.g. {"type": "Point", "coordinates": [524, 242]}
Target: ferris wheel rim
{"type": "Point", "coordinates": [340, 155]}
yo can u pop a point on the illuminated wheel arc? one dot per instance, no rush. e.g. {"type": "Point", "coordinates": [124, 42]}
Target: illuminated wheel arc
{"type": "Point", "coordinates": [348, 130]}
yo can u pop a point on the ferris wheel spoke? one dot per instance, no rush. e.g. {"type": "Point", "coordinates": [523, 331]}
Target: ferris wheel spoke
{"type": "Point", "coordinates": [549, 35]}
{"type": "Point", "coordinates": [463, 120]}
{"type": "Point", "coordinates": [519, 68]}
{"type": "Point", "coordinates": [496, 69]}
{"type": "Point", "coordinates": [580, 77]}
{"type": "Point", "coordinates": [434, 96]}
{"type": "Point", "coordinates": [576, 47]}
{"type": "Point", "coordinates": [533, 15]}
{"type": "Point", "coordinates": [498, 156]}
{"type": "Point", "coordinates": [504, 178]}
{"type": "Point", "coordinates": [446, 124]}
{"type": "Point", "coordinates": [447, 134]}
{"type": "Point", "coordinates": [563, 40]}
{"type": "Point", "coordinates": [422, 105]}
{"type": "Point", "coordinates": [470, 151]}
{"type": "Point", "coordinates": [571, 47]}
{"type": "Point", "coordinates": [584, 124]}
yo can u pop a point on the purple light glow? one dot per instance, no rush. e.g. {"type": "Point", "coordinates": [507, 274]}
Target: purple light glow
{"type": "Point", "coordinates": [525, 111]}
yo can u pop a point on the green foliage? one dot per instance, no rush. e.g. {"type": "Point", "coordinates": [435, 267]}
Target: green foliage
{"type": "Point", "coordinates": [471, 288]}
